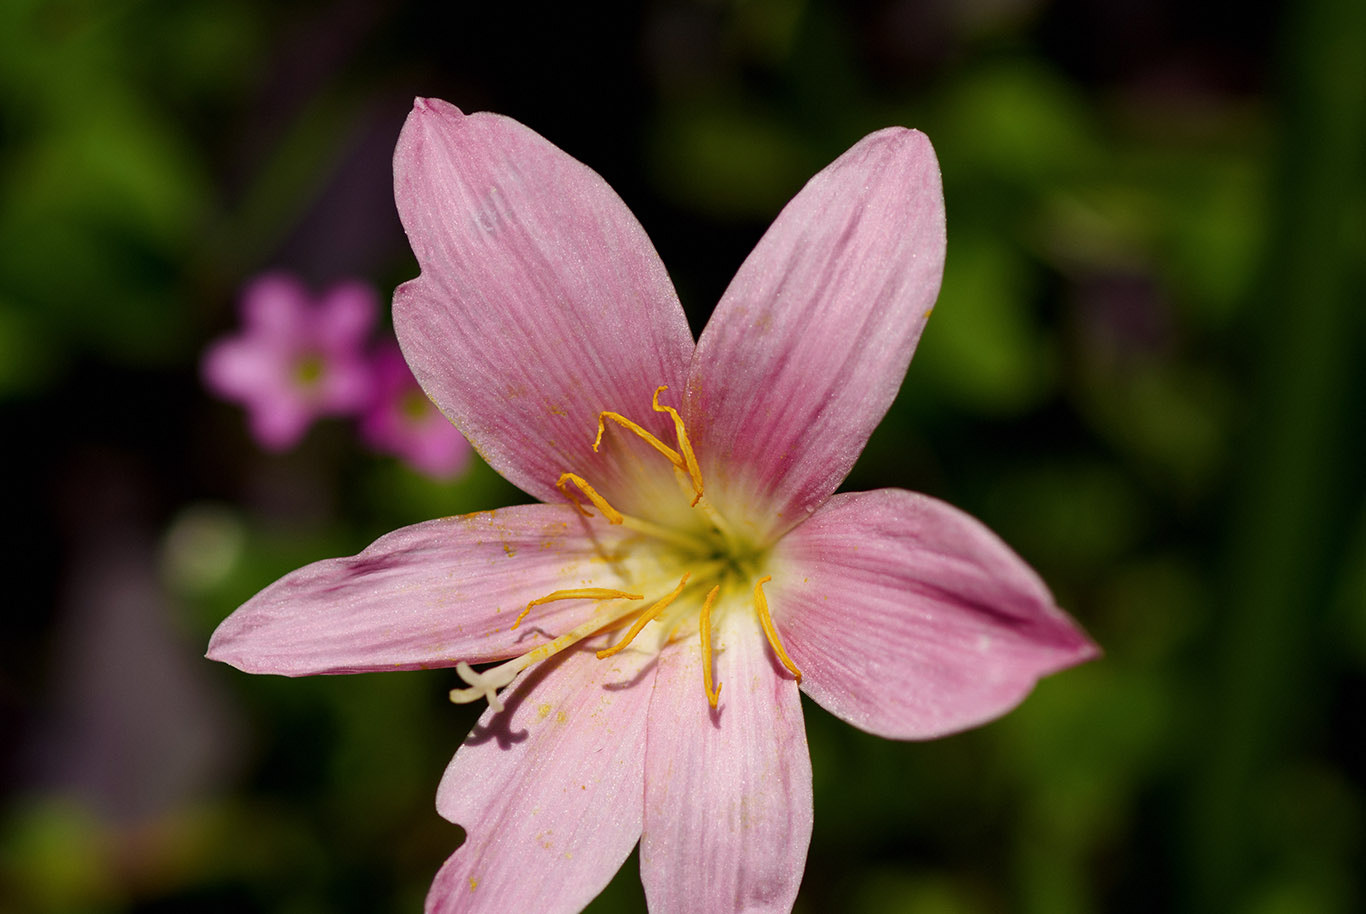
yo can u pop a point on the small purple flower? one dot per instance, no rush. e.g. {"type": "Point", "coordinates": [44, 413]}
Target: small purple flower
{"type": "Point", "coordinates": [295, 359]}
{"type": "Point", "coordinates": [400, 420]}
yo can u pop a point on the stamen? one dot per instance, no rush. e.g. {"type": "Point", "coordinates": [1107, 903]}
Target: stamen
{"type": "Point", "coordinates": [704, 624]}
{"type": "Point", "coordinates": [689, 461]}
{"type": "Point", "coordinates": [581, 593]}
{"type": "Point", "coordinates": [612, 514]}
{"type": "Point", "coordinates": [644, 619]}
{"type": "Point", "coordinates": [669, 453]}
{"type": "Point", "coordinates": [761, 607]}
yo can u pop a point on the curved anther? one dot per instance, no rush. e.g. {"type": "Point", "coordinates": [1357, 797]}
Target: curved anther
{"type": "Point", "coordinates": [644, 619]}
{"type": "Point", "coordinates": [612, 514]}
{"type": "Point", "coordinates": [689, 461]}
{"type": "Point", "coordinates": [580, 593]}
{"type": "Point", "coordinates": [669, 453]}
{"type": "Point", "coordinates": [770, 631]}
{"type": "Point", "coordinates": [704, 625]}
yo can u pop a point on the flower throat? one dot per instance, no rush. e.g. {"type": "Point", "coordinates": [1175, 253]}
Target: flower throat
{"type": "Point", "coordinates": [713, 562]}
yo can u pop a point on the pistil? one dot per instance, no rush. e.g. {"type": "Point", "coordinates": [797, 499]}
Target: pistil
{"type": "Point", "coordinates": [485, 684]}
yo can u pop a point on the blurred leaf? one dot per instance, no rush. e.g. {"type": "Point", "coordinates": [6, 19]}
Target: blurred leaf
{"type": "Point", "coordinates": [398, 495]}
{"type": "Point", "coordinates": [212, 48]}
{"type": "Point", "coordinates": [297, 169]}
{"type": "Point", "coordinates": [1347, 627]}
{"type": "Point", "coordinates": [1150, 609]}
{"type": "Point", "coordinates": [1077, 516]}
{"type": "Point", "coordinates": [1015, 122]}
{"type": "Point", "coordinates": [717, 157]}
{"type": "Point", "coordinates": [1174, 419]}
{"type": "Point", "coordinates": [766, 28]}
{"type": "Point", "coordinates": [1309, 821]}
{"type": "Point", "coordinates": [982, 346]}
{"type": "Point", "coordinates": [55, 857]}
{"type": "Point", "coordinates": [899, 892]}
{"type": "Point", "coordinates": [101, 192]}
{"type": "Point", "coordinates": [28, 361]}
{"type": "Point", "coordinates": [1214, 231]}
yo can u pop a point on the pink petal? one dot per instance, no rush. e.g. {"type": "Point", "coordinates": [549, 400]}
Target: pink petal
{"type": "Point", "coordinates": [549, 791]}
{"type": "Point", "coordinates": [346, 386]}
{"type": "Point", "coordinates": [429, 595]}
{"type": "Point", "coordinates": [238, 369]}
{"type": "Point", "coordinates": [275, 306]}
{"type": "Point", "coordinates": [541, 301]}
{"type": "Point", "coordinates": [437, 449]}
{"type": "Point", "coordinates": [810, 342]}
{"type": "Point", "coordinates": [345, 316]}
{"type": "Point", "coordinates": [278, 421]}
{"type": "Point", "coordinates": [910, 619]}
{"type": "Point", "coordinates": [727, 793]}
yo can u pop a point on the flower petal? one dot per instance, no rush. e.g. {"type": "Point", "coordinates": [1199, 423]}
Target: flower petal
{"type": "Point", "coordinates": [727, 792]}
{"type": "Point", "coordinates": [345, 316]}
{"type": "Point", "coordinates": [549, 791]}
{"type": "Point", "coordinates": [280, 420]}
{"type": "Point", "coordinates": [346, 386]}
{"type": "Point", "coordinates": [275, 307]}
{"type": "Point", "coordinates": [810, 342]}
{"type": "Point", "coordinates": [428, 595]}
{"type": "Point", "coordinates": [238, 368]}
{"type": "Point", "coordinates": [541, 300]}
{"type": "Point", "coordinates": [910, 619]}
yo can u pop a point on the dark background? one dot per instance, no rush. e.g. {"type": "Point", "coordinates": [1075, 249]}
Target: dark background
{"type": "Point", "coordinates": [1145, 372]}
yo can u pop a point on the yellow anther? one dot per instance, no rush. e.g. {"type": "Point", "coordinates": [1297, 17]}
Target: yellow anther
{"type": "Point", "coordinates": [669, 453]}
{"type": "Point", "coordinates": [704, 624]}
{"type": "Point", "coordinates": [581, 593]}
{"type": "Point", "coordinates": [689, 461]}
{"type": "Point", "coordinates": [644, 619]}
{"type": "Point", "coordinates": [612, 514]}
{"type": "Point", "coordinates": [761, 608]}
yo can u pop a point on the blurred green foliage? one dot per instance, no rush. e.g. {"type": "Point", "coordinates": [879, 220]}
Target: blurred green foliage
{"type": "Point", "coordinates": [1144, 371]}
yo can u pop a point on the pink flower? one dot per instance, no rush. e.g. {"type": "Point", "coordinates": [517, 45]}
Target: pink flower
{"type": "Point", "coordinates": [400, 420]}
{"type": "Point", "coordinates": [295, 359]}
{"type": "Point", "coordinates": [687, 493]}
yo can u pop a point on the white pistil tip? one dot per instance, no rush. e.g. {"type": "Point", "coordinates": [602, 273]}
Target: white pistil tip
{"type": "Point", "coordinates": [482, 685]}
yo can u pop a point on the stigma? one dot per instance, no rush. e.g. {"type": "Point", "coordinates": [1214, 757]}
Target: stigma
{"type": "Point", "coordinates": [674, 574]}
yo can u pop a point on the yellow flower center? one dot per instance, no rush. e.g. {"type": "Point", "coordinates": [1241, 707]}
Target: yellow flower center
{"type": "Point", "coordinates": [309, 369]}
{"type": "Point", "coordinates": [414, 407]}
{"type": "Point", "coordinates": [712, 559]}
